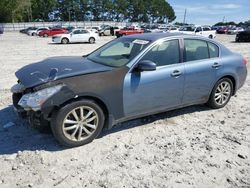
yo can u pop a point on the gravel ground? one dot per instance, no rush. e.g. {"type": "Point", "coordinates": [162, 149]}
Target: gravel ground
{"type": "Point", "coordinates": [190, 147]}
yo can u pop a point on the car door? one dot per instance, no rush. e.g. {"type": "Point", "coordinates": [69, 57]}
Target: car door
{"type": "Point", "coordinates": [201, 67]}
{"type": "Point", "coordinates": [198, 31]}
{"type": "Point", "coordinates": [84, 36]}
{"type": "Point", "coordinates": [152, 91]}
{"type": "Point", "coordinates": [75, 36]}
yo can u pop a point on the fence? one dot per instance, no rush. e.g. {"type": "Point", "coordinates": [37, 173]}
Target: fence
{"type": "Point", "coordinates": [19, 26]}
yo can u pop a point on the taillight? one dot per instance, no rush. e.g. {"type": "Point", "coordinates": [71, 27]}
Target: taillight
{"type": "Point", "coordinates": [244, 61]}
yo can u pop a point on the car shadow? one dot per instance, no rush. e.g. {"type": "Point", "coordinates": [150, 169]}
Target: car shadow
{"type": "Point", "coordinates": [152, 118]}
{"type": "Point", "coordinates": [241, 42]}
{"type": "Point", "coordinates": [19, 136]}
{"type": "Point", "coordinates": [51, 43]}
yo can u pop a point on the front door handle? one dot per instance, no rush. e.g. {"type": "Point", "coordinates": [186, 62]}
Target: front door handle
{"type": "Point", "coordinates": [176, 73]}
{"type": "Point", "coordinates": [216, 65]}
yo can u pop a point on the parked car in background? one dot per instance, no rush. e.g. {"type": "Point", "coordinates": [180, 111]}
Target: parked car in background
{"type": "Point", "coordinates": [234, 30]}
{"type": "Point", "coordinates": [36, 31]}
{"type": "Point", "coordinates": [151, 28]}
{"type": "Point", "coordinates": [198, 30]}
{"type": "Point", "coordinates": [222, 30]}
{"type": "Point", "coordinates": [172, 29]}
{"type": "Point", "coordinates": [97, 28]}
{"type": "Point", "coordinates": [1, 29]}
{"type": "Point", "coordinates": [75, 36]}
{"type": "Point", "coordinates": [52, 32]}
{"type": "Point", "coordinates": [25, 31]}
{"type": "Point", "coordinates": [128, 78]}
{"type": "Point", "coordinates": [129, 31]}
{"type": "Point", "coordinates": [107, 31]}
{"type": "Point", "coordinates": [243, 36]}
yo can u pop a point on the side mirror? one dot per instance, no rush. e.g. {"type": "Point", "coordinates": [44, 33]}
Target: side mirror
{"type": "Point", "coordinates": [146, 65]}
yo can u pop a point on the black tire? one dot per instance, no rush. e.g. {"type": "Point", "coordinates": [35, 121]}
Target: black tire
{"type": "Point", "coordinates": [33, 34]}
{"type": "Point", "coordinates": [65, 41]}
{"type": "Point", "coordinates": [91, 40]}
{"type": "Point", "coordinates": [45, 35]}
{"type": "Point", "coordinates": [59, 117]}
{"type": "Point", "coordinates": [212, 99]}
{"type": "Point", "coordinates": [210, 36]}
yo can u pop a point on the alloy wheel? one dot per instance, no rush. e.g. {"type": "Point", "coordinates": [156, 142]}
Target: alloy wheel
{"type": "Point", "coordinates": [222, 93]}
{"type": "Point", "coordinates": [80, 123]}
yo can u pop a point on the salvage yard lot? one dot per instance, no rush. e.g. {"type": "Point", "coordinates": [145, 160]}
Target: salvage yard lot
{"type": "Point", "coordinates": [190, 147]}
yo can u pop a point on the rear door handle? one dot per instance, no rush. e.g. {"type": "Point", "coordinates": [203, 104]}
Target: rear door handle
{"type": "Point", "coordinates": [216, 65]}
{"type": "Point", "coordinates": [176, 73]}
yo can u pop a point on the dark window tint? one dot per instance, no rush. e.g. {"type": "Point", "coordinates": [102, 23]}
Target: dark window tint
{"type": "Point", "coordinates": [206, 29]}
{"type": "Point", "coordinates": [196, 50]}
{"type": "Point", "coordinates": [213, 50]}
{"type": "Point", "coordinates": [165, 53]}
{"type": "Point", "coordinates": [198, 29]}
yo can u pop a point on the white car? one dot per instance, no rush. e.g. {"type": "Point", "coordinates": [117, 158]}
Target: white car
{"type": "Point", "coordinates": [198, 30]}
{"type": "Point", "coordinates": [172, 29]}
{"type": "Point", "coordinates": [76, 35]}
{"type": "Point", "coordinates": [36, 31]}
{"type": "Point", "coordinates": [234, 31]}
{"type": "Point", "coordinates": [107, 32]}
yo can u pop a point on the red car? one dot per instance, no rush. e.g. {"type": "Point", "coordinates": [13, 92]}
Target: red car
{"type": "Point", "coordinates": [51, 32]}
{"type": "Point", "coordinates": [222, 30]}
{"type": "Point", "coordinates": [128, 31]}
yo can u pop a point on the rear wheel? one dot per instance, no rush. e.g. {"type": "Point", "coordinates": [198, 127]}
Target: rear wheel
{"type": "Point", "coordinates": [65, 41]}
{"type": "Point", "coordinates": [78, 123]}
{"type": "Point", "coordinates": [221, 93]}
{"type": "Point", "coordinates": [210, 36]}
{"type": "Point", "coordinates": [45, 35]}
{"type": "Point", "coordinates": [91, 40]}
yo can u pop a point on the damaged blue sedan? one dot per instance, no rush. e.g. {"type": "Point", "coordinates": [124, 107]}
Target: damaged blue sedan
{"type": "Point", "coordinates": [127, 78]}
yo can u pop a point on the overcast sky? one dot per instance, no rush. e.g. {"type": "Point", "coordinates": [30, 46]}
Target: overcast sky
{"type": "Point", "coordinates": [211, 11]}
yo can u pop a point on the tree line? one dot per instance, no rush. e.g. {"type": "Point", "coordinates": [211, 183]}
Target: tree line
{"type": "Point", "coordinates": [159, 11]}
{"type": "Point", "coordinates": [240, 24]}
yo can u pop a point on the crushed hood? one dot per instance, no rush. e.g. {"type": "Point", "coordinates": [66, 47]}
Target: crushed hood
{"type": "Point", "coordinates": [57, 68]}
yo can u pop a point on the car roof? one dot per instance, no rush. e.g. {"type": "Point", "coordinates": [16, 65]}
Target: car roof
{"type": "Point", "coordinates": [155, 36]}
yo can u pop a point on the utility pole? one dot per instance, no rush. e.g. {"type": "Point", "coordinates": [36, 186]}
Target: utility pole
{"type": "Point", "coordinates": [223, 20]}
{"type": "Point", "coordinates": [185, 14]}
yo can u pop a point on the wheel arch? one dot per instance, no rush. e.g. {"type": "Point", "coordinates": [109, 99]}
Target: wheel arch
{"type": "Point", "coordinates": [98, 100]}
{"type": "Point", "coordinates": [232, 78]}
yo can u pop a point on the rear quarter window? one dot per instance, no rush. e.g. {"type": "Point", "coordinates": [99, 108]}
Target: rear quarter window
{"type": "Point", "coordinates": [213, 50]}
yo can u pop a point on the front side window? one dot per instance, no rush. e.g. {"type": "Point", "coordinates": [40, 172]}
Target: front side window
{"type": "Point", "coordinates": [196, 49]}
{"type": "Point", "coordinates": [166, 53]}
{"type": "Point", "coordinates": [118, 52]}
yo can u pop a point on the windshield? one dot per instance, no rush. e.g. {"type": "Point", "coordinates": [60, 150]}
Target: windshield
{"type": "Point", "coordinates": [118, 52]}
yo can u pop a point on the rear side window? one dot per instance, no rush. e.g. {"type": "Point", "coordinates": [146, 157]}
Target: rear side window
{"type": "Point", "coordinates": [196, 50]}
{"type": "Point", "coordinates": [213, 50]}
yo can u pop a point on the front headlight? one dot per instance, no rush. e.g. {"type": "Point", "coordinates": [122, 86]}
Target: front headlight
{"type": "Point", "coordinates": [35, 100]}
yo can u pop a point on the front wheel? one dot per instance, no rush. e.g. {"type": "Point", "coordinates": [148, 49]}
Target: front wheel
{"type": "Point", "coordinates": [65, 41]}
{"type": "Point", "coordinates": [78, 123]}
{"type": "Point", "coordinates": [221, 93]}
